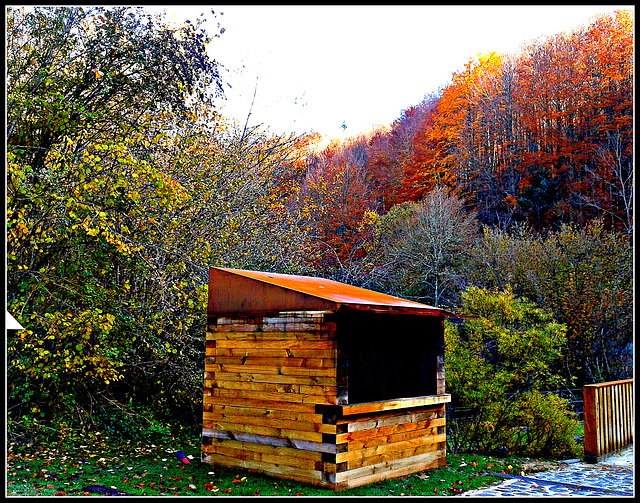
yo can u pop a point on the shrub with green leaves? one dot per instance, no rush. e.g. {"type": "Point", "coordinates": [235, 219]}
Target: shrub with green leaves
{"type": "Point", "coordinates": [498, 362]}
{"type": "Point", "coordinates": [545, 426]}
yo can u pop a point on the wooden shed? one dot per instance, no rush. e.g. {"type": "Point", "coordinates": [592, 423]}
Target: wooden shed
{"type": "Point", "coordinates": [321, 382]}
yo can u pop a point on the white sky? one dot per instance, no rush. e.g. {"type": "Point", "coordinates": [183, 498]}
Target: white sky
{"type": "Point", "coordinates": [319, 66]}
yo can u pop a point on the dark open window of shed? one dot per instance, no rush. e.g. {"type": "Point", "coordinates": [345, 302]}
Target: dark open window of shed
{"type": "Point", "coordinates": [390, 356]}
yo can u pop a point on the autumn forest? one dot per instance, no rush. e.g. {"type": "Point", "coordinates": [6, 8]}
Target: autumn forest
{"type": "Point", "coordinates": [124, 184]}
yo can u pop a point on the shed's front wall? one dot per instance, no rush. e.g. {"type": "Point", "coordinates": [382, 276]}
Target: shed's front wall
{"type": "Point", "coordinates": [388, 444]}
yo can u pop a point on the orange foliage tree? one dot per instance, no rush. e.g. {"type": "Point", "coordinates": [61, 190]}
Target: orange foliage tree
{"type": "Point", "coordinates": [543, 136]}
{"type": "Point", "coordinates": [575, 96]}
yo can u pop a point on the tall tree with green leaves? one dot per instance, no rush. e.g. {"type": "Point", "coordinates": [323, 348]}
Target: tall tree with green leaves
{"type": "Point", "coordinates": [111, 236]}
{"type": "Point", "coordinates": [500, 360]}
{"type": "Point", "coordinates": [88, 210]}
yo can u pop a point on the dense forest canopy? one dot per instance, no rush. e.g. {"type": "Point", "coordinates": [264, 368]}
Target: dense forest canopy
{"type": "Point", "coordinates": [124, 184]}
{"type": "Point", "coordinates": [543, 137]}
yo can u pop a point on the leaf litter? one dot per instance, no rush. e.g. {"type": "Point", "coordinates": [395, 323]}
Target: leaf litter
{"type": "Point", "coordinates": [147, 470]}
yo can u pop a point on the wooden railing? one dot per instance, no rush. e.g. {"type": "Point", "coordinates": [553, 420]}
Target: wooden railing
{"type": "Point", "coordinates": [608, 418]}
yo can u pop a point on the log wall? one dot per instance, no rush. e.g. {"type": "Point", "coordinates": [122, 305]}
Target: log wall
{"type": "Point", "coordinates": [387, 444]}
{"type": "Point", "coordinates": [264, 377]}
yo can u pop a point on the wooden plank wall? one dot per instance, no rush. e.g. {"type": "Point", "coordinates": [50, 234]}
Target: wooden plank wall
{"type": "Point", "coordinates": [608, 418]}
{"type": "Point", "coordinates": [387, 444]}
{"type": "Point", "coordinates": [264, 377]}
{"type": "Point", "coordinates": [274, 394]}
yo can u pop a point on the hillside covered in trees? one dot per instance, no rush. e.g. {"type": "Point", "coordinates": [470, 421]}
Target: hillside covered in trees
{"type": "Point", "coordinates": [124, 184]}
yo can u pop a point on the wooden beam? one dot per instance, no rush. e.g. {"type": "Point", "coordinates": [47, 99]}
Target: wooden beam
{"type": "Point", "coordinates": [383, 470]}
{"type": "Point", "coordinates": [270, 440]}
{"type": "Point", "coordinates": [401, 403]}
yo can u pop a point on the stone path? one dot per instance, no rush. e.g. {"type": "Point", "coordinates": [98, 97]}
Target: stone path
{"type": "Point", "coordinates": [611, 477]}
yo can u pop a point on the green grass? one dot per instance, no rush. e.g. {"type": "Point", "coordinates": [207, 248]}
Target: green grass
{"type": "Point", "coordinates": [151, 469]}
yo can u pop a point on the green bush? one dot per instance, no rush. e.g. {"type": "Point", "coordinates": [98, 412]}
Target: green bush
{"type": "Point", "coordinates": [548, 425]}
{"type": "Point", "coordinates": [497, 364]}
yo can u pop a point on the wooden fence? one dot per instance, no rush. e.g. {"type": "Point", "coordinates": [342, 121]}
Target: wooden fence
{"type": "Point", "coordinates": [608, 418]}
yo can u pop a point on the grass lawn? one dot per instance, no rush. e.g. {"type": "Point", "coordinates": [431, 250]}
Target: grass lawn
{"type": "Point", "coordinates": [155, 470]}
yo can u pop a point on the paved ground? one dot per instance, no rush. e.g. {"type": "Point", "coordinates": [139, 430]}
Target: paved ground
{"type": "Point", "coordinates": [610, 477]}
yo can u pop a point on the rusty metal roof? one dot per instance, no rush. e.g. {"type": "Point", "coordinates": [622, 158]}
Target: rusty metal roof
{"type": "Point", "coordinates": [236, 291]}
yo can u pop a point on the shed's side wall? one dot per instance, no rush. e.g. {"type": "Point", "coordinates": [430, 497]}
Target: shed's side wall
{"type": "Point", "coordinates": [264, 376]}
